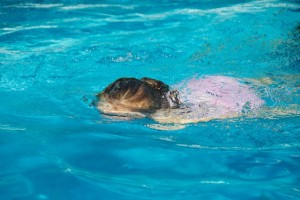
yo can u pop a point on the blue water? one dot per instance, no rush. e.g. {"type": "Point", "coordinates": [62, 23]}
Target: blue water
{"type": "Point", "coordinates": [56, 55]}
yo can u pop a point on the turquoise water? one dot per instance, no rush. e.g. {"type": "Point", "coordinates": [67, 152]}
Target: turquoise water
{"type": "Point", "coordinates": [55, 56]}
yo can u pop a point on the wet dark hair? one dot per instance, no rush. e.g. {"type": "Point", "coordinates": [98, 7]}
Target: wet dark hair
{"type": "Point", "coordinates": [134, 91]}
{"type": "Point", "coordinates": [121, 86]}
{"type": "Point", "coordinates": [159, 86]}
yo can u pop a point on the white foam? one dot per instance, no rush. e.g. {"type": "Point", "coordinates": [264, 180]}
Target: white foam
{"type": "Point", "coordinates": [69, 7]}
{"type": "Point", "coordinates": [9, 128]}
{"type": "Point", "coordinates": [35, 5]}
{"type": "Point", "coordinates": [196, 146]}
{"type": "Point", "coordinates": [214, 182]}
{"type": "Point", "coordinates": [8, 51]}
{"type": "Point", "coordinates": [230, 11]}
{"type": "Point", "coordinates": [166, 139]}
{"type": "Point", "coordinates": [57, 45]}
{"type": "Point", "coordinates": [22, 28]}
{"type": "Point", "coordinates": [87, 6]}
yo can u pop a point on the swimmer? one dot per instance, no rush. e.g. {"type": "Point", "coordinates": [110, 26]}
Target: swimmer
{"type": "Point", "coordinates": [199, 100]}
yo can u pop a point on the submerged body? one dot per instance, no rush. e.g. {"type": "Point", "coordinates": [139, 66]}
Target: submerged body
{"type": "Point", "coordinates": [211, 97]}
{"type": "Point", "coordinates": [204, 99]}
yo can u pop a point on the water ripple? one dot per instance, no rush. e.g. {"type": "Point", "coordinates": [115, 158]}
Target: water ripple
{"type": "Point", "coordinates": [22, 28]}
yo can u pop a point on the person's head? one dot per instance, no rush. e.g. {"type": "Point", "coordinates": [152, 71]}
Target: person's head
{"type": "Point", "coordinates": [131, 95]}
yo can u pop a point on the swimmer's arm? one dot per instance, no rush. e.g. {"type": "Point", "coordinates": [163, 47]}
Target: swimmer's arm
{"type": "Point", "coordinates": [275, 112]}
{"type": "Point", "coordinates": [166, 127]}
{"type": "Point", "coordinates": [185, 116]}
{"type": "Point", "coordinates": [174, 119]}
{"type": "Point", "coordinates": [264, 81]}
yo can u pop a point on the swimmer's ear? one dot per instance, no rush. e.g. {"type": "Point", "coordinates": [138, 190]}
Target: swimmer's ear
{"type": "Point", "coordinates": [156, 84]}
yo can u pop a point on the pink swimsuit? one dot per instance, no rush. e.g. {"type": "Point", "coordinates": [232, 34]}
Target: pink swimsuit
{"type": "Point", "coordinates": [223, 94]}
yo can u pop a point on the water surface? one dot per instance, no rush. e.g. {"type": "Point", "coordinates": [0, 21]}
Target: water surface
{"type": "Point", "coordinates": [56, 55]}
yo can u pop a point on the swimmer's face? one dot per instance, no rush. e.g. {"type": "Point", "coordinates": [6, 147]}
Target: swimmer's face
{"type": "Point", "coordinates": [132, 96]}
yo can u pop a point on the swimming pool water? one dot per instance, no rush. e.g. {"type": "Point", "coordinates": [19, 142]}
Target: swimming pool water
{"type": "Point", "coordinates": [56, 55]}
